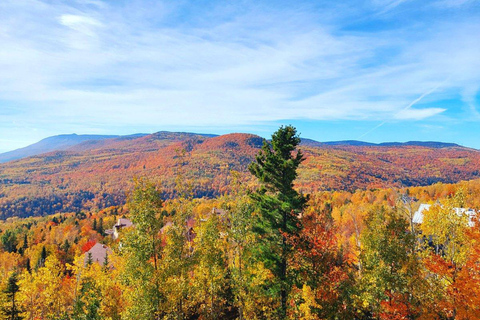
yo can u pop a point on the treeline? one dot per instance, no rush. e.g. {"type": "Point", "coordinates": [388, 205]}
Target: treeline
{"type": "Point", "coordinates": [35, 206]}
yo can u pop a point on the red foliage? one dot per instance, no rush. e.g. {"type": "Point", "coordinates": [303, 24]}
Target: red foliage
{"type": "Point", "coordinates": [87, 246]}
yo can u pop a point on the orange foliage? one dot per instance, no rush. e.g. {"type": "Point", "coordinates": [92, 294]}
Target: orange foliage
{"type": "Point", "coordinates": [87, 246]}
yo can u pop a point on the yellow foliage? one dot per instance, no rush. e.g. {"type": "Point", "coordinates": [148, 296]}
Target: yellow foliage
{"type": "Point", "coordinates": [46, 293]}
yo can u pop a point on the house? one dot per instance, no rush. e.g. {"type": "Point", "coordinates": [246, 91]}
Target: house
{"type": "Point", "coordinates": [219, 212]}
{"type": "Point", "coordinates": [98, 254]}
{"type": "Point", "coordinates": [121, 224]}
{"type": "Point", "coordinates": [418, 215]}
{"type": "Point", "coordinates": [190, 223]}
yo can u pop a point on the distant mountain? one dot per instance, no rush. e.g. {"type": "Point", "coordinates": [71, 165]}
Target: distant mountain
{"type": "Point", "coordinates": [81, 143]}
{"type": "Point", "coordinates": [311, 143]}
{"type": "Point", "coordinates": [356, 143]}
{"type": "Point", "coordinates": [428, 144]}
{"type": "Point", "coordinates": [55, 143]}
{"type": "Point", "coordinates": [98, 173]}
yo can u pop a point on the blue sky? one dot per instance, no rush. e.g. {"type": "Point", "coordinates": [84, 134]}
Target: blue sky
{"type": "Point", "coordinates": [374, 70]}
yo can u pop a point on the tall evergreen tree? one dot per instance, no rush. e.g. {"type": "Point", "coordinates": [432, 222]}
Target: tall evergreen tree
{"type": "Point", "coordinates": [100, 226]}
{"type": "Point", "coordinates": [43, 258]}
{"type": "Point", "coordinates": [279, 205]}
{"type": "Point", "coordinates": [25, 242]}
{"type": "Point", "coordinates": [12, 312]}
{"type": "Point", "coordinates": [89, 259]}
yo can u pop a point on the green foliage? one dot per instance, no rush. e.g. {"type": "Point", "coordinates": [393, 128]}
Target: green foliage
{"type": "Point", "coordinates": [391, 275]}
{"type": "Point", "coordinates": [211, 280]}
{"type": "Point", "coordinates": [279, 205]}
{"type": "Point", "coordinates": [9, 241]}
{"type": "Point", "coordinates": [446, 227]}
{"type": "Point", "coordinates": [87, 304]}
{"type": "Point", "coordinates": [142, 250]}
{"type": "Point", "coordinates": [12, 311]}
{"type": "Point", "coordinates": [249, 278]}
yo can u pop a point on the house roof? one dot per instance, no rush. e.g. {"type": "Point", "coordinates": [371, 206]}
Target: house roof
{"type": "Point", "coordinates": [165, 227]}
{"type": "Point", "coordinates": [123, 223]}
{"type": "Point", "coordinates": [219, 212]}
{"type": "Point", "coordinates": [99, 252]}
{"type": "Point", "coordinates": [418, 215]}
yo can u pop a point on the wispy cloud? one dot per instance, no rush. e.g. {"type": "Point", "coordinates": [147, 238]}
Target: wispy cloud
{"type": "Point", "coordinates": [100, 66]}
{"type": "Point", "coordinates": [82, 24]}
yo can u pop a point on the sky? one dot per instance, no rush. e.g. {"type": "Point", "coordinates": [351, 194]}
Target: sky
{"type": "Point", "coordinates": [371, 70]}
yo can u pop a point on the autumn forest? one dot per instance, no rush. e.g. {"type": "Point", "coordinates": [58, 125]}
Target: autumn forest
{"type": "Point", "coordinates": [271, 242]}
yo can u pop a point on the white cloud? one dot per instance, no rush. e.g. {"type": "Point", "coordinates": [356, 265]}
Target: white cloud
{"type": "Point", "coordinates": [418, 114]}
{"type": "Point", "coordinates": [83, 24]}
{"type": "Point", "coordinates": [97, 64]}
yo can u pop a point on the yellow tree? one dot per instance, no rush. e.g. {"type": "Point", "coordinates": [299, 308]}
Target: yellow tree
{"type": "Point", "coordinates": [212, 286]}
{"type": "Point", "coordinates": [46, 293]}
{"type": "Point", "coordinates": [176, 271]}
{"type": "Point", "coordinates": [141, 248]}
{"type": "Point", "coordinates": [248, 273]}
{"type": "Point", "coordinates": [98, 294]}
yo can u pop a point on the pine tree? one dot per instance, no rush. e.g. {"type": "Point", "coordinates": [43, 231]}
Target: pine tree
{"type": "Point", "coordinates": [11, 290]}
{"type": "Point", "coordinates": [106, 261]}
{"type": "Point", "coordinates": [279, 205]}
{"type": "Point", "coordinates": [25, 242]}
{"type": "Point", "coordinates": [9, 241]}
{"type": "Point", "coordinates": [89, 259]}
{"type": "Point", "coordinates": [28, 266]}
{"type": "Point", "coordinates": [66, 246]}
{"type": "Point", "coordinates": [43, 258]}
{"type": "Point", "coordinates": [100, 226]}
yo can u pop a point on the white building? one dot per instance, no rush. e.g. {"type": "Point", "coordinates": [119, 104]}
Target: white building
{"type": "Point", "coordinates": [418, 215]}
{"type": "Point", "coordinates": [121, 224]}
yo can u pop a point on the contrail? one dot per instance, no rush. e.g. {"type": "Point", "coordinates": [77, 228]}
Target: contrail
{"type": "Point", "coordinates": [406, 108]}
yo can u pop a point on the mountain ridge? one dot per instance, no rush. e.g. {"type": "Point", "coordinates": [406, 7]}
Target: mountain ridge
{"type": "Point", "coordinates": [98, 174]}
{"type": "Point", "coordinates": [49, 144]}
{"type": "Point", "coordinates": [65, 142]}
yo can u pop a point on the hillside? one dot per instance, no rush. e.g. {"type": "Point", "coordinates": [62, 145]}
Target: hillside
{"type": "Point", "coordinates": [55, 143]}
{"type": "Point", "coordinates": [98, 173]}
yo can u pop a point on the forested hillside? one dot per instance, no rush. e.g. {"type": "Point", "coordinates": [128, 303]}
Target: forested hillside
{"type": "Point", "coordinates": [261, 251]}
{"type": "Point", "coordinates": [96, 174]}
{"type": "Point", "coordinates": [353, 260]}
